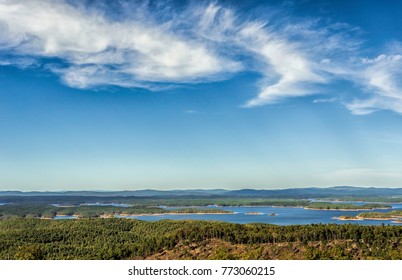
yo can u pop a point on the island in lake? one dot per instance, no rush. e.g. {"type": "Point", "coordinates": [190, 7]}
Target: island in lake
{"type": "Point", "coordinates": [345, 206]}
{"type": "Point", "coordinates": [395, 215]}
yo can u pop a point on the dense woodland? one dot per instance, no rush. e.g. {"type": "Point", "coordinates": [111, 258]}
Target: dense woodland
{"type": "Point", "coordinates": [155, 201]}
{"type": "Point", "coordinates": [27, 230]}
{"type": "Point", "coordinates": [49, 211]}
{"type": "Point", "coordinates": [395, 214]}
{"type": "Point", "coordinates": [31, 238]}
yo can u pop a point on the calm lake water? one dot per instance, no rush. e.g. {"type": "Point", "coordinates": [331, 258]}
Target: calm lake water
{"type": "Point", "coordinates": [283, 216]}
{"type": "Point", "coordinates": [263, 214]}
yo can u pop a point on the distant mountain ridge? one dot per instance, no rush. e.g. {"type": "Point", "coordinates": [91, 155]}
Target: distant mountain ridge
{"type": "Point", "coordinates": [145, 192]}
{"type": "Point", "coordinates": [272, 193]}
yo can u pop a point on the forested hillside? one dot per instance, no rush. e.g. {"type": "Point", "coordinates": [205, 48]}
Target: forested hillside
{"type": "Point", "coordinates": [131, 239]}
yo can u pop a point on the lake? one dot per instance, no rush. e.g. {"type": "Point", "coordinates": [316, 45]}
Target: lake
{"type": "Point", "coordinates": [283, 216]}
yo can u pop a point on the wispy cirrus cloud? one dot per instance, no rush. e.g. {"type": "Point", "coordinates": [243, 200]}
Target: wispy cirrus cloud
{"type": "Point", "coordinates": [97, 50]}
{"type": "Point", "coordinates": [381, 78]}
{"type": "Point", "coordinates": [308, 57]}
{"type": "Point", "coordinates": [89, 46]}
{"type": "Point", "coordinates": [286, 54]}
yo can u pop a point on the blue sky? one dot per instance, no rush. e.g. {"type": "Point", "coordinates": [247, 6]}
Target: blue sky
{"type": "Point", "coordinates": [114, 95]}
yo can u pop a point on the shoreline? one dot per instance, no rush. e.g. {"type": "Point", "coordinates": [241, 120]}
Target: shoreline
{"type": "Point", "coordinates": [253, 213]}
{"type": "Point", "coordinates": [344, 209]}
{"type": "Point", "coordinates": [357, 218]}
{"type": "Point", "coordinates": [348, 219]}
{"type": "Point", "coordinates": [76, 216]}
{"type": "Point", "coordinates": [174, 213]}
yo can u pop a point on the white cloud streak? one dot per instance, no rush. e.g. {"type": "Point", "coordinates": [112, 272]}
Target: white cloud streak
{"type": "Point", "coordinates": [290, 66]}
{"type": "Point", "coordinates": [286, 69]}
{"type": "Point", "coordinates": [148, 48]}
{"type": "Point", "coordinates": [382, 78]}
{"type": "Point", "coordinates": [100, 51]}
